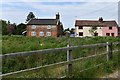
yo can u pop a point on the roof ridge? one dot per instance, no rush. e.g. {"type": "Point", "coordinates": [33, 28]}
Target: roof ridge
{"type": "Point", "coordinates": [95, 20]}
{"type": "Point", "coordinates": [44, 19]}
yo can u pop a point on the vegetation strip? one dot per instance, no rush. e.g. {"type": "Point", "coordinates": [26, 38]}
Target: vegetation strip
{"type": "Point", "coordinates": [75, 60]}
{"type": "Point", "coordinates": [60, 63]}
{"type": "Point", "coordinates": [56, 64]}
{"type": "Point", "coordinates": [92, 67]}
{"type": "Point", "coordinates": [49, 50]}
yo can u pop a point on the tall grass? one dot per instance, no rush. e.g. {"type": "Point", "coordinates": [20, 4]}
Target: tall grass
{"type": "Point", "coordinates": [18, 44]}
{"type": "Point", "coordinates": [12, 44]}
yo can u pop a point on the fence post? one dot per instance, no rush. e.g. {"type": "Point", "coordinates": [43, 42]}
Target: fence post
{"type": "Point", "coordinates": [69, 58]}
{"type": "Point", "coordinates": [109, 51]}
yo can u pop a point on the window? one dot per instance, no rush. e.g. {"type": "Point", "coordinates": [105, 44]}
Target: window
{"type": "Point", "coordinates": [112, 34]}
{"type": "Point", "coordinates": [110, 27]}
{"type": "Point", "coordinates": [48, 34]}
{"type": "Point", "coordinates": [41, 33]}
{"type": "Point", "coordinates": [33, 33]}
{"type": "Point", "coordinates": [80, 33]}
{"type": "Point", "coordinates": [96, 34]}
{"type": "Point", "coordinates": [107, 34]}
{"type": "Point", "coordinates": [80, 27]}
{"type": "Point", "coordinates": [49, 27]}
{"type": "Point", "coordinates": [33, 26]}
{"type": "Point", "coordinates": [94, 27]}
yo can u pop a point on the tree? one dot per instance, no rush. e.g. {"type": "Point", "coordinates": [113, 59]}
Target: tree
{"type": "Point", "coordinates": [3, 25]}
{"type": "Point", "coordinates": [67, 32]}
{"type": "Point", "coordinates": [93, 30]}
{"type": "Point", "coordinates": [30, 16]}
{"type": "Point", "coordinates": [20, 28]}
{"type": "Point", "coordinates": [72, 30]}
{"type": "Point", "coordinates": [11, 28]}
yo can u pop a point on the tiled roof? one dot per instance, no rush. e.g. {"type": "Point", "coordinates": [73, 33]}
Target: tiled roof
{"type": "Point", "coordinates": [42, 22]}
{"type": "Point", "coordinates": [95, 23]}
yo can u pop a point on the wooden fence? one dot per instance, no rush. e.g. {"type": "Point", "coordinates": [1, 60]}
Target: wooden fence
{"type": "Point", "coordinates": [70, 60]}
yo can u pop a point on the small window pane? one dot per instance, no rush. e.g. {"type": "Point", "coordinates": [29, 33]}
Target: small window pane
{"type": "Point", "coordinates": [107, 34]}
{"type": "Point", "coordinates": [96, 34]}
{"type": "Point", "coordinates": [112, 34]}
{"type": "Point", "coordinates": [41, 33]}
{"type": "Point", "coordinates": [80, 33]}
{"type": "Point", "coordinates": [33, 33]}
{"type": "Point", "coordinates": [49, 27]}
{"type": "Point", "coordinates": [33, 26]}
{"type": "Point", "coordinates": [80, 27]}
{"type": "Point", "coordinates": [48, 34]}
{"type": "Point", "coordinates": [110, 27]}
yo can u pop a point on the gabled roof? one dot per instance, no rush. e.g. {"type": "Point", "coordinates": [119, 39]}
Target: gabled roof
{"type": "Point", "coordinates": [42, 22]}
{"type": "Point", "coordinates": [95, 23]}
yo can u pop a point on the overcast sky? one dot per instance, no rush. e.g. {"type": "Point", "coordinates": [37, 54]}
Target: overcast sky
{"type": "Point", "coordinates": [16, 11]}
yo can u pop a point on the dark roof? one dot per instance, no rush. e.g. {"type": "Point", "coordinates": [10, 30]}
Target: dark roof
{"type": "Point", "coordinates": [42, 22]}
{"type": "Point", "coordinates": [95, 23]}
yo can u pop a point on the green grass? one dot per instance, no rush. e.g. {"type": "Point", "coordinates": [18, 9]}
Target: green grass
{"type": "Point", "coordinates": [12, 44]}
{"type": "Point", "coordinates": [21, 43]}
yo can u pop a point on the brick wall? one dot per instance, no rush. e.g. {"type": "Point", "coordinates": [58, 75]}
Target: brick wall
{"type": "Point", "coordinates": [42, 28]}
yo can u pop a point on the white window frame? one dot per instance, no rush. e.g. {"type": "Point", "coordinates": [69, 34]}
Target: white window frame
{"type": "Point", "coordinates": [41, 33]}
{"type": "Point", "coordinates": [48, 33]}
{"type": "Point", "coordinates": [33, 33]}
{"type": "Point", "coordinates": [33, 26]}
{"type": "Point", "coordinates": [49, 27]}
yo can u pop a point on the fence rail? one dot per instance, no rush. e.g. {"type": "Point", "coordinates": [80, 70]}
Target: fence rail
{"type": "Point", "coordinates": [47, 51]}
{"type": "Point", "coordinates": [69, 61]}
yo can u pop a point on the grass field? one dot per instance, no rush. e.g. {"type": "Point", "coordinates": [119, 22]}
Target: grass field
{"type": "Point", "coordinates": [12, 44]}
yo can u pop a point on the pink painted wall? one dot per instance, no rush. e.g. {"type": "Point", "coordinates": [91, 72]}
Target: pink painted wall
{"type": "Point", "coordinates": [107, 30]}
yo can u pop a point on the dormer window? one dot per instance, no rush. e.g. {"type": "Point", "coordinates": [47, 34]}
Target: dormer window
{"type": "Point", "coordinates": [110, 27]}
{"type": "Point", "coordinates": [33, 26]}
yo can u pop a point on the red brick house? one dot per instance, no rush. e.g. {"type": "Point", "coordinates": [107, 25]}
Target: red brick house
{"type": "Point", "coordinates": [45, 27]}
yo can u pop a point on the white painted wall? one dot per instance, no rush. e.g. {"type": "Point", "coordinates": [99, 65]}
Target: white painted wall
{"type": "Point", "coordinates": [86, 32]}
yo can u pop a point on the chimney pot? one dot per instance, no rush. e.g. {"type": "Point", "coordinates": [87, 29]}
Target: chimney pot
{"type": "Point", "coordinates": [101, 19]}
{"type": "Point", "coordinates": [57, 16]}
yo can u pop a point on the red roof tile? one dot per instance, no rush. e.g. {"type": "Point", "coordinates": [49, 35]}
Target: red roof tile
{"type": "Point", "coordinates": [95, 23]}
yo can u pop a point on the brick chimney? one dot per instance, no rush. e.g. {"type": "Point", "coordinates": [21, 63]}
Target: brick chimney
{"type": "Point", "coordinates": [100, 19]}
{"type": "Point", "coordinates": [57, 16]}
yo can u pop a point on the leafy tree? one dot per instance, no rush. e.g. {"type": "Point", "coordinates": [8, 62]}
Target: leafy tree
{"type": "Point", "coordinates": [3, 25]}
{"type": "Point", "coordinates": [30, 16]}
{"type": "Point", "coordinates": [93, 30]}
{"type": "Point", "coordinates": [11, 28]}
{"type": "Point", "coordinates": [67, 30]}
{"type": "Point", "coordinates": [20, 28]}
{"type": "Point", "coordinates": [72, 31]}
